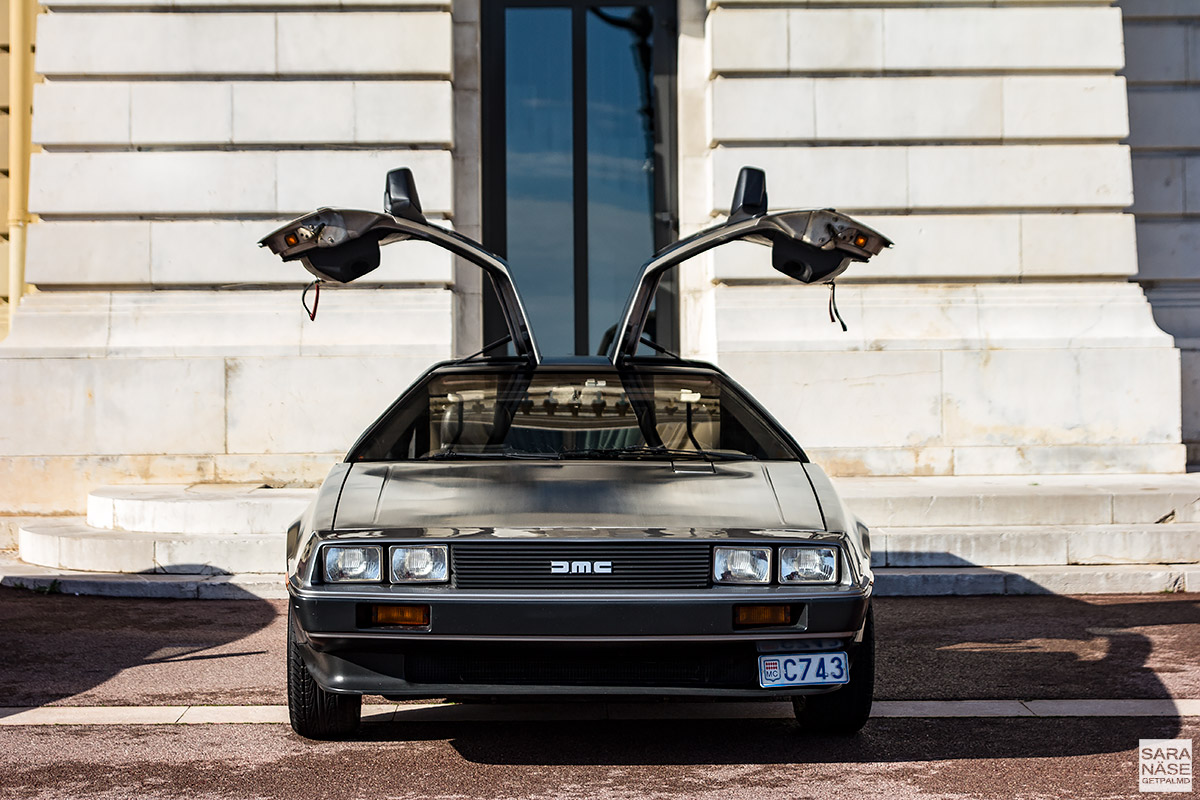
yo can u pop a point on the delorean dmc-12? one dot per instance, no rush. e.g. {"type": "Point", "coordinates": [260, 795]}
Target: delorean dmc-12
{"type": "Point", "coordinates": [626, 525]}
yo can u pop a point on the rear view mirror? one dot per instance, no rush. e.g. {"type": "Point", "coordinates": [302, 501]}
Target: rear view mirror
{"type": "Point", "coordinates": [749, 195]}
{"type": "Point", "coordinates": [400, 195]}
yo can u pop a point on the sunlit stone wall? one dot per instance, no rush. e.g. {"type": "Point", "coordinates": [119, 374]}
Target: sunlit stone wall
{"type": "Point", "coordinates": [1002, 334]}
{"type": "Point", "coordinates": [163, 345]}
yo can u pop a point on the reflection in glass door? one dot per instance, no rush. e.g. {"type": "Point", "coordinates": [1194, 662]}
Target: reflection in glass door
{"type": "Point", "coordinates": [578, 159]}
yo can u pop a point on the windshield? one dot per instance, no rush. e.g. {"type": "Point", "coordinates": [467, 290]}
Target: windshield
{"type": "Point", "coordinates": [565, 415]}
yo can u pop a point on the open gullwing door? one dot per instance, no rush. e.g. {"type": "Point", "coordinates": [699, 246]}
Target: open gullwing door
{"type": "Point", "coordinates": [811, 246]}
{"type": "Point", "coordinates": [342, 245]}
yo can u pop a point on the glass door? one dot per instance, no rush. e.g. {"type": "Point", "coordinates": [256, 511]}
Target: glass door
{"type": "Point", "coordinates": [578, 162]}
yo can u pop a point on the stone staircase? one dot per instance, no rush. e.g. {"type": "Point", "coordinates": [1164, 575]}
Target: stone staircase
{"type": "Point", "coordinates": [930, 536]}
{"type": "Point", "coordinates": [1031, 535]}
{"type": "Point", "coordinates": [203, 540]}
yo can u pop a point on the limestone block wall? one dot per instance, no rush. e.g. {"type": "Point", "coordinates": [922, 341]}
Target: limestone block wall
{"type": "Point", "coordinates": [163, 345]}
{"type": "Point", "coordinates": [1162, 42]}
{"type": "Point", "coordinates": [1002, 334]}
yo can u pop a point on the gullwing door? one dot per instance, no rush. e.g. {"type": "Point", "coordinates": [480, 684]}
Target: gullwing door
{"type": "Point", "coordinates": [341, 245]}
{"type": "Point", "coordinates": [811, 246]}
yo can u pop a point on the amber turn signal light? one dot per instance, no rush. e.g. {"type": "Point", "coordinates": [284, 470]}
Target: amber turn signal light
{"type": "Point", "coordinates": [752, 616]}
{"type": "Point", "coordinates": [291, 239]}
{"type": "Point", "coordinates": [400, 615]}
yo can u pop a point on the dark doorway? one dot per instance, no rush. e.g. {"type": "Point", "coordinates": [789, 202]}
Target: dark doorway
{"type": "Point", "coordinates": [578, 162]}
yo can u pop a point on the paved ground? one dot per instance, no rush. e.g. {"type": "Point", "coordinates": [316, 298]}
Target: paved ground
{"type": "Point", "coordinates": [69, 651]}
{"type": "Point", "coordinates": [715, 759]}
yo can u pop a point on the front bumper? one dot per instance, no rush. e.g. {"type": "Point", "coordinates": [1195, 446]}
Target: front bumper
{"type": "Point", "coordinates": [584, 644]}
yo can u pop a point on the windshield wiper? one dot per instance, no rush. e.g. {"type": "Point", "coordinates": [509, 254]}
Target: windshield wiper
{"type": "Point", "coordinates": [655, 452]}
{"type": "Point", "coordinates": [447, 455]}
{"type": "Point", "coordinates": [663, 453]}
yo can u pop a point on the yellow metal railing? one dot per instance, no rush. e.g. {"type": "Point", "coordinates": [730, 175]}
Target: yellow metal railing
{"type": "Point", "coordinates": [21, 20]}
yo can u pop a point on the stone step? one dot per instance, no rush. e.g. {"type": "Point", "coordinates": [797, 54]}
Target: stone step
{"type": "Point", "coordinates": [14, 573]}
{"type": "Point", "coordinates": [1022, 500]}
{"type": "Point", "coordinates": [1036, 545]}
{"type": "Point", "coordinates": [201, 508]}
{"type": "Point", "coordinates": [70, 543]}
{"type": "Point", "coordinates": [1118, 579]}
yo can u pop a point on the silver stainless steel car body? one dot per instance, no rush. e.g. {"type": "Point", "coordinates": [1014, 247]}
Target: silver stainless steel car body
{"type": "Point", "coordinates": [580, 504]}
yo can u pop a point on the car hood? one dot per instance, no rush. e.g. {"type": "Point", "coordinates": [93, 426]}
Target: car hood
{"type": "Point", "coordinates": [578, 495]}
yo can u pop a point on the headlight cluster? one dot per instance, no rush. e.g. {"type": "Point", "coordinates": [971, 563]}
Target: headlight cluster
{"type": "Point", "coordinates": [363, 563]}
{"type": "Point", "coordinates": [807, 564]}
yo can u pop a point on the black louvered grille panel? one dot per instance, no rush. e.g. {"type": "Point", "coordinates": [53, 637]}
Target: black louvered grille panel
{"type": "Point", "coordinates": [709, 665]}
{"type": "Point", "coordinates": [527, 565]}
{"type": "Point", "coordinates": [714, 673]}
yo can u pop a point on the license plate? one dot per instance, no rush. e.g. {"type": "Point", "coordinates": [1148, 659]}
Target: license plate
{"type": "Point", "coordinates": [803, 669]}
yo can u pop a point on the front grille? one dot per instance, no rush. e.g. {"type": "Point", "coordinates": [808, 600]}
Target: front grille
{"type": "Point", "coordinates": [527, 565]}
{"type": "Point", "coordinates": [583, 666]}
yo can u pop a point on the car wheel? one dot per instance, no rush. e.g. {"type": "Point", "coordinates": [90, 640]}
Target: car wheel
{"type": "Point", "coordinates": [845, 711]}
{"type": "Point", "coordinates": [314, 712]}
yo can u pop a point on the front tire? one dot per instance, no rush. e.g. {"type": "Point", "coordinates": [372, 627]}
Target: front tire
{"type": "Point", "coordinates": [314, 712]}
{"type": "Point", "coordinates": [844, 712]}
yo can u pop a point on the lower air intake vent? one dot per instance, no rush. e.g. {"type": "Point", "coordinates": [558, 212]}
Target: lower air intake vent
{"type": "Point", "coordinates": [586, 667]}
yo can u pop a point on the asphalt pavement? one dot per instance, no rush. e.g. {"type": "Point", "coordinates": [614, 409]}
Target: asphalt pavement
{"type": "Point", "coordinates": [66, 651]}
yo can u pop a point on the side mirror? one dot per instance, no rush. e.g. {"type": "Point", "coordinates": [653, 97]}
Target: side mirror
{"type": "Point", "coordinates": [749, 195]}
{"type": "Point", "coordinates": [400, 195]}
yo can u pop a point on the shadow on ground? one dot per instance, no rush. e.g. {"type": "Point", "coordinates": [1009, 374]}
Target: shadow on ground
{"type": "Point", "coordinates": [100, 650]}
{"type": "Point", "coordinates": [952, 648]}
{"type": "Point", "coordinates": [1038, 647]}
{"type": "Point", "coordinates": [773, 741]}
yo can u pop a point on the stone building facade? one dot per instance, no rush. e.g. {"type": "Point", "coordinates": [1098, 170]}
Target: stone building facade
{"type": "Point", "coordinates": [1162, 53]}
{"type": "Point", "coordinates": [1006, 333]}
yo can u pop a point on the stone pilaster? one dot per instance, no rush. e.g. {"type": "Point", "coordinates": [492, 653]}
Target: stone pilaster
{"type": "Point", "coordinates": [1162, 45]}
